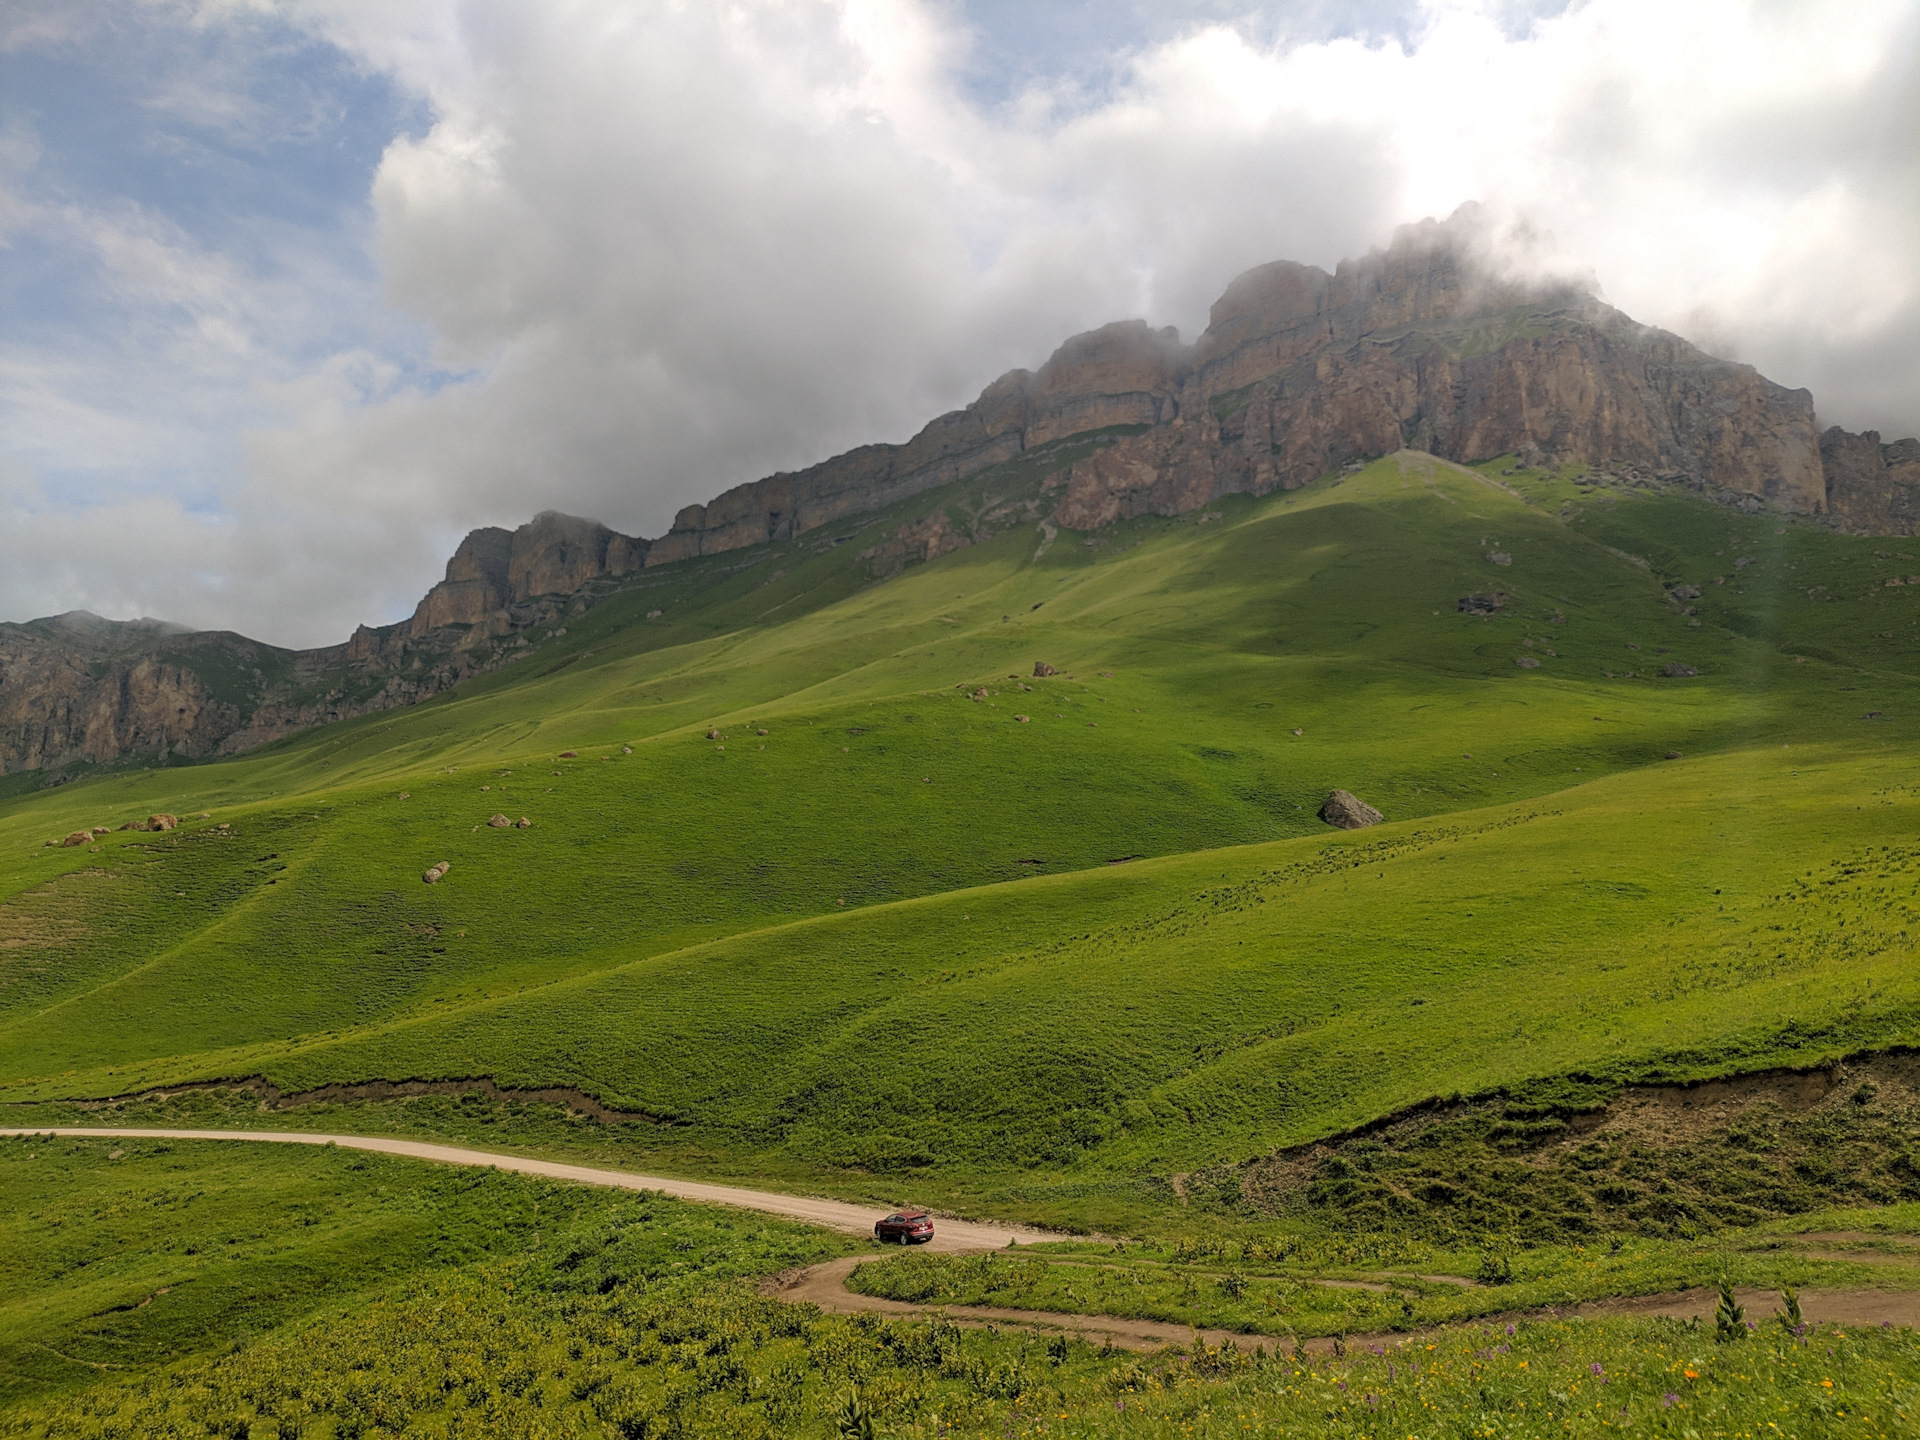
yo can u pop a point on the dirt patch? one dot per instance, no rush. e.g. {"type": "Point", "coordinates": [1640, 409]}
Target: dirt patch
{"type": "Point", "coordinates": [1570, 1159]}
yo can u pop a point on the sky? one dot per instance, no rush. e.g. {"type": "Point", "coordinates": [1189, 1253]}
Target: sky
{"type": "Point", "coordinates": [293, 293]}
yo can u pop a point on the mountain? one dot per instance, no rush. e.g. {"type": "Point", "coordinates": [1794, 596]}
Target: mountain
{"type": "Point", "coordinates": [1429, 344]}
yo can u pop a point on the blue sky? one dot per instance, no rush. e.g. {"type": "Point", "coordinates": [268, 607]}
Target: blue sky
{"type": "Point", "coordinates": [293, 292]}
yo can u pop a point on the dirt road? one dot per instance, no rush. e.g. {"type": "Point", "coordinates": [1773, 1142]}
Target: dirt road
{"type": "Point", "coordinates": [949, 1234]}
{"type": "Point", "coordinates": [825, 1285]}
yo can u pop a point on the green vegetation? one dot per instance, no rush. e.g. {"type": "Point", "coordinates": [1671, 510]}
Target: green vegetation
{"type": "Point", "coordinates": [885, 940]}
{"type": "Point", "coordinates": [426, 1302]}
{"type": "Point", "coordinates": [125, 1256]}
{"type": "Point", "coordinates": [1316, 1283]}
{"type": "Point", "coordinates": [833, 894]}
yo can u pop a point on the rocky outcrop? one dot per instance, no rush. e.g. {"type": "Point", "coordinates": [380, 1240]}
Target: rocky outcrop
{"type": "Point", "coordinates": [77, 690]}
{"type": "Point", "coordinates": [1428, 344]}
{"type": "Point", "coordinates": [495, 570]}
{"type": "Point", "coordinates": [1872, 489]}
{"type": "Point", "coordinates": [1120, 375]}
{"type": "Point", "coordinates": [1346, 811]}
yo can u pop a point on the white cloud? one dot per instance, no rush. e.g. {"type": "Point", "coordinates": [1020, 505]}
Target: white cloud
{"type": "Point", "coordinates": [664, 248]}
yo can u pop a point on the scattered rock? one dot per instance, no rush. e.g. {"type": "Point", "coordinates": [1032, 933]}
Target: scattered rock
{"type": "Point", "coordinates": [405, 796]}
{"type": "Point", "coordinates": [223, 825]}
{"type": "Point", "coordinates": [434, 872]}
{"type": "Point", "coordinates": [1041, 669]}
{"type": "Point", "coordinates": [162, 822]}
{"type": "Point", "coordinates": [1298, 731]}
{"type": "Point", "coordinates": [1482, 604]}
{"type": "Point", "coordinates": [1527, 662]}
{"type": "Point", "coordinates": [979, 694]}
{"type": "Point", "coordinates": [1743, 562]}
{"type": "Point", "coordinates": [499, 822]}
{"type": "Point", "coordinates": [1346, 811]}
{"type": "Point", "coordinates": [1685, 592]}
{"type": "Point", "coordinates": [626, 749]}
{"type": "Point", "coordinates": [1675, 670]}
{"type": "Point", "coordinates": [1673, 754]}
{"type": "Point", "coordinates": [523, 823]}
{"type": "Point", "coordinates": [100, 830]}
{"type": "Point", "coordinates": [79, 837]}
{"type": "Point", "coordinates": [204, 815]}
{"type": "Point", "coordinates": [569, 754]}
{"type": "Point", "coordinates": [1871, 715]}
{"type": "Point", "coordinates": [713, 734]}
{"type": "Point", "coordinates": [653, 614]}
{"type": "Point", "coordinates": [760, 732]}
{"type": "Point", "coordinates": [1023, 719]}
{"type": "Point", "coordinates": [134, 825]}
{"type": "Point", "coordinates": [1499, 557]}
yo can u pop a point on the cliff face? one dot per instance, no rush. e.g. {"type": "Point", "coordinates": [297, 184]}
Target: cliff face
{"type": "Point", "coordinates": [79, 690]}
{"type": "Point", "coordinates": [1299, 372]}
{"type": "Point", "coordinates": [1872, 489]}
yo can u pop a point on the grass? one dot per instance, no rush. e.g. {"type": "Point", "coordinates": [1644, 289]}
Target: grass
{"type": "Point", "coordinates": [554, 1310]}
{"type": "Point", "coordinates": [888, 946]}
{"type": "Point", "coordinates": [125, 1257]}
{"type": "Point", "coordinates": [1308, 1283]}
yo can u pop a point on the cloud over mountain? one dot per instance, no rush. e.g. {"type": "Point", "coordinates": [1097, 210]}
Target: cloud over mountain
{"type": "Point", "coordinates": [634, 255]}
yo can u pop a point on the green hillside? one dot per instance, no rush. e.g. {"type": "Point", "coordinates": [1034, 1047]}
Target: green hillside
{"type": "Point", "coordinates": [893, 937]}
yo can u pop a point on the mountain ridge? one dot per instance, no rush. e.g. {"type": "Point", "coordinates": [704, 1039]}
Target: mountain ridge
{"type": "Point", "coordinates": [1426, 344]}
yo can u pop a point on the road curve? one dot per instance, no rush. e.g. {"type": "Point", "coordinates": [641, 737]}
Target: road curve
{"type": "Point", "coordinates": [949, 1234]}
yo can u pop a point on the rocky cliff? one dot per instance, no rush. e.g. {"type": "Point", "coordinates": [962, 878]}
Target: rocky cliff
{"type": "Point", "coordinates": [77, 690]}
{"type": "Point", "coordinates": [1429, 343]}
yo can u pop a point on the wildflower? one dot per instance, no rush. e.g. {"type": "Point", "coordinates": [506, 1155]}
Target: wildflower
{"type": "Point", "coordinates": [1509, 1329]}
{"type": "Point", "coordinates": [1597, 1368]}
{"type": "Point", "coordinates": [1827, 1384]}
{"type": "Point", "coordinates": [1691, 1374]}
{"type": "Point", "coordinates": [1667, 1400]}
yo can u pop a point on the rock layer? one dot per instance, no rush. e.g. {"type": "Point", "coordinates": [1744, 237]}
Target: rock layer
{"type": "Point", "coordinates": [1427, 344]}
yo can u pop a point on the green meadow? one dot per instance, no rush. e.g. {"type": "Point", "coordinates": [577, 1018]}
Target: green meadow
{"type": "Point", "coordinates": [1034, 945]}
{"type": "Point", "coordinates": [190, 1288]}
{"type": "Point", "coordinates": [826, 890]}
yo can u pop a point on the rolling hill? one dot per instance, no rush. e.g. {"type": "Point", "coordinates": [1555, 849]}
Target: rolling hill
{"type": "Point", "coordinates": [823, 881]}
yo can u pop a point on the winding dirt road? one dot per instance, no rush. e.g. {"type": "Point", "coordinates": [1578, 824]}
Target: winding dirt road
{"type": "Point", "coordinates": [825, 1285]}
{"type": "Point", "coordinates": [949, 1234]}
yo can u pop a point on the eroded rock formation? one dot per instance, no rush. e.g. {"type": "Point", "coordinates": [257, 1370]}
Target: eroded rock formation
{"type": "Point", "coordinates": [1427, 344]}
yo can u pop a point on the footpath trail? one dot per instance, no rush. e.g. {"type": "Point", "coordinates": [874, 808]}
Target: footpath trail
{"type": "Point", "coordinates": [834, 1214]}
{"type": "Point", "coordinates": [825, 1285]}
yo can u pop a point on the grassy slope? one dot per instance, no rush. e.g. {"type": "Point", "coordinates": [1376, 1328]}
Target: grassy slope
{"type": "Point", "coordinates": [671, 934]}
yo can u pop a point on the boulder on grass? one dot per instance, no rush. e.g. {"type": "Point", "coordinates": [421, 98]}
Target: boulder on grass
{"type": "Point", "coordinates": [162, 822]}
{"type": "Point", "coordinates": [434, 872]}
{"type": "Point", "coordinates": [523, 823]}
{"type": "Point", "coordinates": [79, 837]}
{"type": "Point", "coordinates": [499, 822]}
{"type": "Point", "coordinates": [1041, 670]}
{"type": "Point", "coordinates": [1483, 604]}
{"type": "Point", "coordinates": [1674, 670]}
{"type": "Point", "coordinates": [1346, 811]}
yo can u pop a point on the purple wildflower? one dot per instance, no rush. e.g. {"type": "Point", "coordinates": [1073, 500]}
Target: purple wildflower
{"type": "Point", "coordinates": [1597, 1368]}
{"type": "Point", "coordinates": [1509, 1329]}
{"type": "Point", "coordinates": [1390, 1374]}
{"type": "Point", "coordinates": [1373, 1401]}
{"type": "Point", "coordinates": [1343, 1386]}
{"type": "Point", "coordinates": [1667, 1400]}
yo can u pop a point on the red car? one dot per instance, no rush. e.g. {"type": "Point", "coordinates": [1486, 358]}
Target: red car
{"type": "Point", "coordinates": [905, 1227]}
